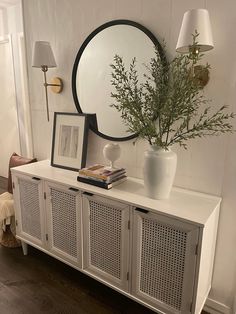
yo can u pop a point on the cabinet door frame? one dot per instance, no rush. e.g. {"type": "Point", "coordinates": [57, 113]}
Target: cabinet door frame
{"type": "Point", "coordinates": [122, 283]}
{"type": "Point", "coordinates": [191, 260]}
{"type": "Point", "coordinates": [76, 261]}
{"type": "Point", "coordinates": [21, 234]}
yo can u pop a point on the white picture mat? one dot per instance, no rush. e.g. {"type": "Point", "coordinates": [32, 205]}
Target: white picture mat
{"type": "Point", "coordinates": [74, 122]}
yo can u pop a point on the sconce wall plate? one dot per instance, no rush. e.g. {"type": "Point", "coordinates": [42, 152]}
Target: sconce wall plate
{"type": "Point", "coordinates": [201, 75]}
{"type": "Point", "coordinates": [57, 85]}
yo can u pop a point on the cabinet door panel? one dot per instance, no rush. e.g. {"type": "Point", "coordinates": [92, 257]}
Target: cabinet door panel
{"type": "Point", "coordinates": [28, 196]}
{"type": "Point", "coordinates": [106, 239]}
{"type": "Point", "coordinates": [64, 222]}
{"type": "Point", "coordinates": [164, 262]}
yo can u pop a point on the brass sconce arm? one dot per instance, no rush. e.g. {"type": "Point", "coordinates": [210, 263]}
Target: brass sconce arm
{"type": "Point", "coordinates": [56, 86]}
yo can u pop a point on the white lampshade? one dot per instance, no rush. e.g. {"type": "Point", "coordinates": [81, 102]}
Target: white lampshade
{"type": "Point", "coordinates": [195, 20]}
{"type": "Point", "coordinates": [43, 55]}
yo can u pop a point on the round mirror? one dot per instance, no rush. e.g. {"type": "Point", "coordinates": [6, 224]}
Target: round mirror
{"type": "Point", "coordinates": [91, 77]}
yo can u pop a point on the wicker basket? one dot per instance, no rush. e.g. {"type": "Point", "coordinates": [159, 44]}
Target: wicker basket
{"type": "Point", "coordinates": [8, 239]}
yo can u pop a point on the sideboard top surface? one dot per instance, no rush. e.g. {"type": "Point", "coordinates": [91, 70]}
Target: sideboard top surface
{"type": "Point", "coordinates": [183, 204]}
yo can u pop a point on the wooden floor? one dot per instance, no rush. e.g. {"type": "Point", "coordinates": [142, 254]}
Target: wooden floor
{"type": "Point", "coordinates": [38, 283]}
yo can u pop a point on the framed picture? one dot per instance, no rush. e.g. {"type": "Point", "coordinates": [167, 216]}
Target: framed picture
{"type": "Point", "coordinates": [69, 140]}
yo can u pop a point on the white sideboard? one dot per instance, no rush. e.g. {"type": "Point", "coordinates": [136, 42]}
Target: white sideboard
{"type": "Point", "coordinates": [157, 252]}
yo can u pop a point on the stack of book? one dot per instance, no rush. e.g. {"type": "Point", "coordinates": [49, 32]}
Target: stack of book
{"type": "Point", "coordinates": [102, 176]}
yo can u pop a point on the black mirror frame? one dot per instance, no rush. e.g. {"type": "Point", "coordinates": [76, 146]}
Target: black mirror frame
{"type": "Point", "coordinates": [93, 126]}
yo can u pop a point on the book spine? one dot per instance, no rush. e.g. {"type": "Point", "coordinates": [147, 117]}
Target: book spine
{"type": "Point", "coordinates": [91, 174]}
{"type": "Point", "coordinates": [108, 181]}
{"type": "Point", "coordinates": [95, 183]}
{"type": "Point", "coordinates": [116, 176]}
{"type": "Point", "coordinates": [102, 176]}
{"type": "Point", "coordinates": [91, 178]}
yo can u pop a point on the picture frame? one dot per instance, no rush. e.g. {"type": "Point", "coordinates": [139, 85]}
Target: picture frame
{"type": "Point", "coordinates": [69, 140]}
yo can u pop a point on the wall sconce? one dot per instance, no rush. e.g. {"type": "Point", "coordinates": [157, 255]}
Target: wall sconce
{"type": "Point", "coordinates": [43, 58]}
{"type": "Point", "coordinates": [196, 20]}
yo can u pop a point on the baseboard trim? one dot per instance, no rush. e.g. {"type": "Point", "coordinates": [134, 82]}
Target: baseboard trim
{"type": "Point", "coordinates": [214, 307]}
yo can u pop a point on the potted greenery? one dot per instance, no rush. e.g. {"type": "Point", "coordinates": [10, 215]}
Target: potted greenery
{"type": "Point", "coordinates": [167, 108]}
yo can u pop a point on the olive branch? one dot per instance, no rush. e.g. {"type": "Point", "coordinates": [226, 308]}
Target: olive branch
{"type": "Point", "coordinates": [169, 107]}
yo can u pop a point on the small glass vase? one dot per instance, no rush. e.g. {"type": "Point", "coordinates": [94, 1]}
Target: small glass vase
{"type": "Point", "coordinates": [159, 172]}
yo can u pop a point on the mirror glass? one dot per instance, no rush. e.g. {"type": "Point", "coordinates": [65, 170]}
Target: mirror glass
{"type": "Point", "coordinates": [91, 79]}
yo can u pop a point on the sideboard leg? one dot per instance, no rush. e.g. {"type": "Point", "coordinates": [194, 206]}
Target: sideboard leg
{"type": "Point", "coordinates": [24, 248]}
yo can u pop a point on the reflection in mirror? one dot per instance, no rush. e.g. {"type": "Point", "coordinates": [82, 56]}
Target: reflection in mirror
{"type": "Point", "coordinates": [91, 79]}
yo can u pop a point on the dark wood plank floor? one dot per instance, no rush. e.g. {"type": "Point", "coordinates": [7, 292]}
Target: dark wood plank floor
{"type": "Point", "coordinates": [38, 283]}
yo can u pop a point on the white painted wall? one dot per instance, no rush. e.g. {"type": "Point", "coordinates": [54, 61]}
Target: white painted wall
{"type": "Point", "coordinates": [15, 28]}
{"type": "Point", "coordinates": [15, 127]}
{"type": "Point", "coordinates": [9, 133]}
{"type": "Point", "coordinates": [209, 164]}
{"type": "Point", "coordinates": [9, 128]}
{"type": "Point", "coordinates": [1, 23]}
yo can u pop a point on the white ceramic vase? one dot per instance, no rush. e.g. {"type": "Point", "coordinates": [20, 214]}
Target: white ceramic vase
{"type": "Point", "coordinates": [112, 152]}
{"type": "Point", "coordinates": [159, 172]}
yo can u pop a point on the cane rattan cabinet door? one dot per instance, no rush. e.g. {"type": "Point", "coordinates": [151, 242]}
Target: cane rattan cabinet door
{"type": "Point", "coordinates": [29, 207]}
{"type": "Point", "coordinates": [164, 260]}
{"type": "Point", "coordinates": [106, 239]}
{"type": "Point", "coordinates": [64, 222]}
